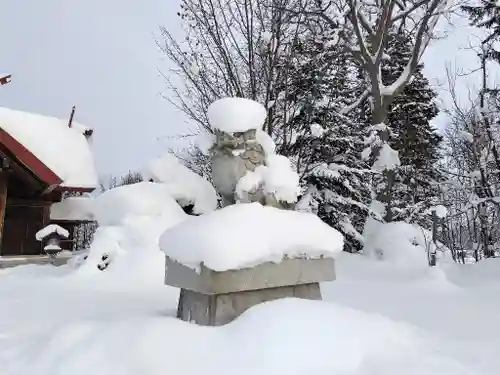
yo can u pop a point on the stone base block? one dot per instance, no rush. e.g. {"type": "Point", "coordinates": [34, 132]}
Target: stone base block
{"type": "Point", "coordinates": [219, 309]}
{"type": "Point", "coordinates": [263, 276]}
{"type": "Point", "coordinates": [210, 297]}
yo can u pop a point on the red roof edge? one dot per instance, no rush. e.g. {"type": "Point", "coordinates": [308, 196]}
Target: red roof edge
{"type": "Point", "coordinates": [76, 189]}
{"type": "Point", "coordinates": [26, 157]}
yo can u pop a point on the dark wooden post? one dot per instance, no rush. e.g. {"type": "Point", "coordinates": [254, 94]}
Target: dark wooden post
{"type": "Point", "coordinates": [70, 122]}
{"type": "Point", "coordinates": [3, 203]}
{"type": "Point", "coordinates": [432, 250]}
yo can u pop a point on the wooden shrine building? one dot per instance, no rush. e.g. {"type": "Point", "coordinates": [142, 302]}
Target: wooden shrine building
{"type": "Point", "coordinates": [41, 160]}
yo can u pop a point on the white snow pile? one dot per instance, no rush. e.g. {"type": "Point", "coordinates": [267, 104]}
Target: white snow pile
{"type": "Point", "coordinates": [373, 327]}
{"type": "Point", "coordinates": [388, 159]}
{"type": "Point", "coordinates": [73, 208]}
{"type": "Point", "coordinates": [466, 136]}
{"type": "Point", "coordinates": [401, 244]}
{"type": "Point", "coordinates": [317, 130]}
{"type": "Point", "coordinates": [244, 235]}
{"type": "Point", "coordinates": [183, 184]}
{"type": "Point", "coordinates": [51, 229]}
{"type": "Point", "coordinates": [64, 150]}
{"type": "Point", "coordinates": [276, 178]}
{"type": "Point", "coordinates": [441, 211]}
{"type": "Point", "coordinates": [131, 219]}
{"type": "Point", "coordinates": [233, 115]}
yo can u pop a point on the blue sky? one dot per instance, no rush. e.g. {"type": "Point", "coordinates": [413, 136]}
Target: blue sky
{"type": "Point", "coordinates": [100, 55]}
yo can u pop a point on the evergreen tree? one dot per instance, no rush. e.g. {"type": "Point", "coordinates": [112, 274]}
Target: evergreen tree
{"type": "Point", "coordinates": [327, 146]}
{"type": "Point", "coordinates": [413, 136]}
{"type": "Point", "coordinates": [486, 15]}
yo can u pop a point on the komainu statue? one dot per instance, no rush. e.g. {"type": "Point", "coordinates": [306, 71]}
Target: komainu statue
{"type": "Point", "coordinates": [233, 155]}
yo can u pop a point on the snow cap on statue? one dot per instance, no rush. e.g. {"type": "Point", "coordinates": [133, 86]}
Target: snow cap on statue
{"type": "Point", "coordinates": [232, 115]}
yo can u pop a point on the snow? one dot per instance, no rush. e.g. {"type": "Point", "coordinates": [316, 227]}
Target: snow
{"type": "Point", "coordinates": [183, 184]}
{"type": "Point", "coordinates": [131, 219]}
{"type": "Point", "coordinates": [266, 36]}
{"type": "Point", "coordinates": [194, 69]}
{"type": "Point", "coordinates": [317, 130]}
{"type": "Point", "coordinates": [387, 159]}
{"type": "Point", "coordinates": [73, 208]}
{"type": "Point", "coordinates": [266, 142]}
{"type": "Point", "coordinates": [52, 247]}
{"type": "Point", "coordinates": [401, 244]}
{"type": "Point", "coordinates": [51, 229]}
{"type": "Point", "coordinates": [374, 320]}
{"type": "Point", "coordinates": [141, 199]}
{"type": "Point", "coordinates": [244, 235]}
{"type": "Point", "coordinates": [277, 177]}
{"type": "Point", "coordinates": [441, 211]}
{"type": "Point", "coordinates": [64, 150]}
{"type": "Point", "coordinates": [466, 136]}
{"type": "Point", "coordinates": [233, 115]}
{"type": "Point", "coordinates": [280, 179]}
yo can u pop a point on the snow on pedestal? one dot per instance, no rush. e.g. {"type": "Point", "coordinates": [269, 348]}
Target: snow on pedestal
{"type": "Point", "coordinates": [244, 254]}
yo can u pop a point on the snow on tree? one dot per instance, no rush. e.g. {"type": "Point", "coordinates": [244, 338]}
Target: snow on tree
{"type": "Point", "coordinates": [325, 145]}
{"type": "Point", "coordinates": [412, 135]}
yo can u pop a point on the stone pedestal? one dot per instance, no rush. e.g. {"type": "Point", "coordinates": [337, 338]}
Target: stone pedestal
{"type": "Point", "coordinates": [216, 298]}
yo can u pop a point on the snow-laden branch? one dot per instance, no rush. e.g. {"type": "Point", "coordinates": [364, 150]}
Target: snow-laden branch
{"type": "Point", "coordinates": [355, 104]}
{"type": "Point", "coordinates": [422, 39]}
{"type": "Point", "coordinates": [361, 42]}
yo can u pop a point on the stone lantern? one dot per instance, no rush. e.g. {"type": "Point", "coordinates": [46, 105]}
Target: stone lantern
{"type": "Point", "coordinates": [51, 237]}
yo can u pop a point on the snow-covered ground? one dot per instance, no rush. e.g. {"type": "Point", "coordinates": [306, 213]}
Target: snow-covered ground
{"type": "Point", "coordinates": [376, 319]}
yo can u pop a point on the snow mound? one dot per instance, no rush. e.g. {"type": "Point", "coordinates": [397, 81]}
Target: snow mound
{"type": "Point", "coordinates": [280, 179]}
{"type": "Point", "coordinates": [317, 130]}
{"type": "Point", "coordinates": [131, 218]}
{"type": "Point", "coordinates": [51, 229]}
{"type": "Point", "coordinates": [141, 199]}
{"type": "Point", "coordinates": [64, 150]}
{"type": "Point", "coordinates": [233, 115]}
{"type": "Point", "coordinates": [73, 208]}
{"type": "Point", "coordinates": [326, 339]}
{"type": "Point", "coordinates": [401, 244]}
{"type": "Point", "coordinates": [184, 185]}
{"type": "Point", "coordinates": [277, 177]}
{"type": "Point", "coordinates": [266, 142]}
{"type": "Point", "coordinates": [244, 235]}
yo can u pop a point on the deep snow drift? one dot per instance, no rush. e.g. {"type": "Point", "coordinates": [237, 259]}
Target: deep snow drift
{"type": "Point", "coordinates": [374, 321]}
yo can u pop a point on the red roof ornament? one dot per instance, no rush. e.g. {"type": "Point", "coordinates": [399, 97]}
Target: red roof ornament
{"type": "Point", "coordinates": [5, 78]}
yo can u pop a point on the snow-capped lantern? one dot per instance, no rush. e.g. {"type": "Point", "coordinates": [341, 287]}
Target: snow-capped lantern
{"type": "Point", "coordinates": [51, 237]}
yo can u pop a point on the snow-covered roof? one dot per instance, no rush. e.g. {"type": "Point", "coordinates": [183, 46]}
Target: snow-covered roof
{"type": "Point", "coordinates": [62, 149]}
{"type": "Point", "coordinates": [245, 235]}
{"type": "Point", "coordinates": [73, 209]}
{"type": "Point", "coordinates": [51, 229]}
{"type": "Point", "coordinates": [233, 115]}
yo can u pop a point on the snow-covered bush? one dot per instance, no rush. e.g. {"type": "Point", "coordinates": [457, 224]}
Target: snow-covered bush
{"type": "Point", "coordinates": [402, 244]}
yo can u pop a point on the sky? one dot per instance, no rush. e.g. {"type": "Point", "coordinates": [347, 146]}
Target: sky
{"type": "Point", "coordinates": [101, 56]}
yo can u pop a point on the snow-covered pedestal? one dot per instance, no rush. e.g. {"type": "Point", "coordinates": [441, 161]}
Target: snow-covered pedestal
{"type": "Point", "coordinates": [214, 298]}
{"type": "Point", "coordinates": [229, 260]}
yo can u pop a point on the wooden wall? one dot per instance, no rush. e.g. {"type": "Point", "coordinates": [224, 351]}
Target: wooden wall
{"type": "Point", "coordinates": [22, 222]}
